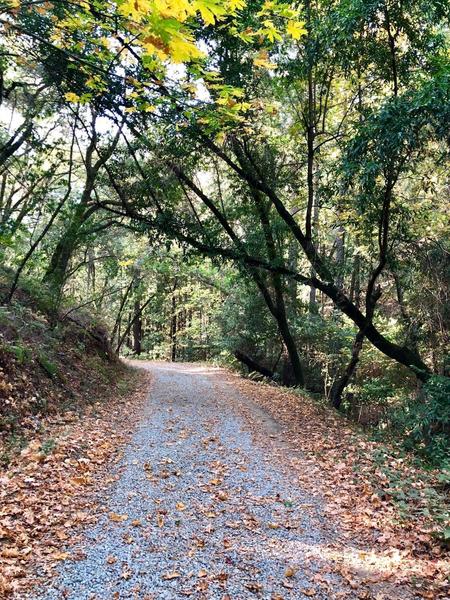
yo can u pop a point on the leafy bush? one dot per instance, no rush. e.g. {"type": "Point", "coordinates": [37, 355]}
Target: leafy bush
{"type": "Point", "coordinates": [21, 353]}
{"type": "Point", "coordinates": [49, 367]}
{"type": "Point", "coordinates": [425, 421]}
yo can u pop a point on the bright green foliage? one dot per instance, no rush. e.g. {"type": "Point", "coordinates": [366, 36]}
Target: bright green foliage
{"type": "Point", "coordinates": [424, 422]}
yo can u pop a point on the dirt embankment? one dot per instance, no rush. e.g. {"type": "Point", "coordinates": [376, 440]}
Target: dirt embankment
{"type": "Point", "coordinates": [49, 363]}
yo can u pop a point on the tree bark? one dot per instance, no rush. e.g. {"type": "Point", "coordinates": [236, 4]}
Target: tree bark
{"type": "Point", "coordinates": [252, 365]}
{"type": "Point", "coordinates": [340, 384]}
{"type": "Point", "coordinates": [173, 325]}
{"type": "Point", "coordinates": [137, 329]}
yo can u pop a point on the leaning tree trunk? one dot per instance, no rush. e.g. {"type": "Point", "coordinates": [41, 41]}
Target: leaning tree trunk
{"type": "Point", "coordinates": [55, 275]}
{"type": "Point", "coordinates": [252, 365]}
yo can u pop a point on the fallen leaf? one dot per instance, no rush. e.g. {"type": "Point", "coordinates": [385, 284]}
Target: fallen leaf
{"type": "Point", "coordinates": [117, 518]}
{"type": "Point", "coordinates": [160, 520]}
{"type": "Point", "coordinates": [254, 587]}
{"type": "Point", "coordinates": [60, 555]}
{"type": "Point", "coordinates": [171, 575]}
{"type": "Point", "coordinates": [290, 572]}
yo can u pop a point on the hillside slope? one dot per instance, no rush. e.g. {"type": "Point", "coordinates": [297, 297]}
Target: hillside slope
{"type": "Point", "coordinates": [49, 363]}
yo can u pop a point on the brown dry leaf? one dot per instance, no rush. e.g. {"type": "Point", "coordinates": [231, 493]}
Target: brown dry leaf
{"type": "Point", "coordinates": [117, 518]}
{"type": "Point", "coordinates": [81, 480]}
{"type": "Point", "coordinates": [254, 587]}
{"type": "Point", "coordinates": [171, 575]}
{"type": "Point", "coordinates": [60, 555]}
{"type": "Point", "coordinates": [290, 572]}
{"type": "Point", "coordinates": [160, 520]}
{"type": "Point", "coordinates": [309, 592]}
{"type": "Point", "coordinates": [11, 553]}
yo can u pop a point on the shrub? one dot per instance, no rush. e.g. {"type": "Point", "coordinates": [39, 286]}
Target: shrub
{"type": "Point", "coordinates": [50, 368]}
{"type": "Point", "coordinates": [425, 421]}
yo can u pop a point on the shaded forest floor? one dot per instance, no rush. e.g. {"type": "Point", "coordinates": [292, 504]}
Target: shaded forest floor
{"type": "Point", "coordinates": [374, 543]}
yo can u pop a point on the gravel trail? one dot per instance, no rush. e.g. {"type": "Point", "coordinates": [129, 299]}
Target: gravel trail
{"type": "Point", "coordinates": [201, 508]}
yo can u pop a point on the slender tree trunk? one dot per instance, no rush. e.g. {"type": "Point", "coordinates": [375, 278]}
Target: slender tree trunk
{"type": "Point", "coordinates": [56, 273]}
{"type": "Point", "coordinates": [340, 257]}
{"type": "Point", "coordinates": [131, 320]}
{"type": "Point", "coordinates": [278, 308]}
{"type": "Point", "coordinates": [46, 228]}
{"type": "Point", "coordinates": [340, 384]}
{"type": "Point", "coordinates": [127, 335]}
{"type": "Point", "coordinates": [118, 322]}
{"type": "Point", "coordinates": [355, 285]}
{"type": "Point", "coordinates": [173, 325]}
{"type": "Point", "coordinates": [137, 329]}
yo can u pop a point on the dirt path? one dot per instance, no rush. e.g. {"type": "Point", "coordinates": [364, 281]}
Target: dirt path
{"type": "Point", "coordinates": [203, 507]}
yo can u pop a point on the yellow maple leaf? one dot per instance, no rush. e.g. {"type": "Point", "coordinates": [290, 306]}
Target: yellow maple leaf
{"type": "Point", "coordinates": [136, 10]}
{"type": "Point", "coordinates": [210, 10]}
{"type": "Point", "coordinates": [237, 5]}
{"type": "Point", "coordinates": [177, 9]}
{"type": "Point", "coordinates": [296, 29]}
{"type": "Point", "coordinates": [72, 97]}
{"type": "Point", "coordinates": [182, 49]}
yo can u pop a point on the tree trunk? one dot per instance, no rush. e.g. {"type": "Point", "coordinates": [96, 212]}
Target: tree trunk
{"type": "Point", "coordinates": [340, 384]}
{"type": "Point", "coordinates": [55, 275]}
{"type": "Point", "coordinates": [252, 365]}
{"type": "Point", "coordinates": [173, 325]}
{"type": "Point", "coordinates": [137, 328]}
{"type": "Point", "coordinates": [340, 257]}
{"type": "Point", "coordinates": [355, 284]}
{"type": "Point", "coordinates": [278, 308]}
